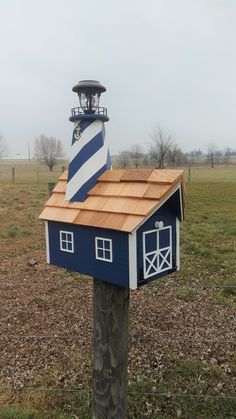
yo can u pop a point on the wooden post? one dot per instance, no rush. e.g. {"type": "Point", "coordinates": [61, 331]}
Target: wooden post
{"type": "Point", "coordinates": [62, 169]}
{"type": "Point", "coordinates": [50, 188]}
{"type": "Point", "coordinates": [110, 358]}
{"type": "Point", "coordinates": [189, 174]}
{"type": "Point", "coordinates": [13, 174]}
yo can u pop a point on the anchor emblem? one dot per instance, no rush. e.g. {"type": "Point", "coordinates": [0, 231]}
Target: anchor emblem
{"type": "Point", "coordinates": [77, 133]}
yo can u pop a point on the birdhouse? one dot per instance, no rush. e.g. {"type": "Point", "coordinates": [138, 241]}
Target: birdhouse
{"type": "Point", "coordinates": [120, 226]}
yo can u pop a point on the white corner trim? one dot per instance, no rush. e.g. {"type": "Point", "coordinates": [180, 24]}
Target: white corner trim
{"type": "Point", "coordinates": [132, 261]}
{"type": "Point", "coordinates": [181, 202]}
{"type": "Point", "coordinates": [47, 242]}
{"type": "Point", "coordinates": [177, 244]}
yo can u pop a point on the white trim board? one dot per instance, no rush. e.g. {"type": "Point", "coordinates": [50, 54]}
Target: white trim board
{"type": "Point", "coordinates": [47, 242]}
{"type": "Point", "coordinates": [177, 227]}
{"type": "Point", "coordinates": [132, 260]}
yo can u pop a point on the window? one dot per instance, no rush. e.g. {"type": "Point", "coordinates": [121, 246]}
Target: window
{"type": "Point", "coordinates": [66, 241]}
{"type": "Point", "coordinates": [103, 248]}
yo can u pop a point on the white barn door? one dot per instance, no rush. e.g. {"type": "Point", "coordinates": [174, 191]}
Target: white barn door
{"type": "Point", "coordinates": [157, 251]}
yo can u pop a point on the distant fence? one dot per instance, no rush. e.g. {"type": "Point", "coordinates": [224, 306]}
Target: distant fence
{"type": "Point", "coordinates": [29, 173]}
{"type": "Point", "coordinates": [34, 172]}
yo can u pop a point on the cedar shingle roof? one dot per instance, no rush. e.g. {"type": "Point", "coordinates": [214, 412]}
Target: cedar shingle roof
{"type": "Point", "coordinates": [121, 200]}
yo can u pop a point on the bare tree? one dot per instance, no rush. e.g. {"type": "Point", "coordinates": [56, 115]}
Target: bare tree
{"type": "Point", "coordinates": [175, 156]}
{"type": "Point", "coordinates": [172, 153]}
{"type": "Point", "coordinates": [211, 152]}
{"type": "Point", "coordinates": [123, 158]}
{"type": "Point", "coordinates": [3, 148]}
{"type": "Point", "coordinates": [162, 143]}
{"type": "Point", "coordinates": [136, 154]}
{"type": "Point", "coordinates": [48, 150]}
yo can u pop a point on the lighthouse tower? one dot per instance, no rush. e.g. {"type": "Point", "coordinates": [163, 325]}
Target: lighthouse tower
{"type": "Point", "coordinates": [89, 154]}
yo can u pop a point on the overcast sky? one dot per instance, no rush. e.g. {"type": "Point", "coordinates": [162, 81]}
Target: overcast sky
{"type": "Point", "coordinates": [164, 62]}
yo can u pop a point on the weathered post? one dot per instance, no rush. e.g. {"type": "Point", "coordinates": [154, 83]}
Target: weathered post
{"type": "Point", "coordinates": [13, 174]}
{"type": "Point", "coordinates": [110, 352]}
{"type": "Point", "coordinates": [189, 174]}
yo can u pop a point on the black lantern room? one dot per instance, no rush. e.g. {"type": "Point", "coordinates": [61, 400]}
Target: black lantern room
{"type": "Point", "coordinates": [89, 92]}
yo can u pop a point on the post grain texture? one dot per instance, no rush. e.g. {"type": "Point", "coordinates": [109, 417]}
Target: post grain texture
{"type": "Point", "coordinates": [110, 316]}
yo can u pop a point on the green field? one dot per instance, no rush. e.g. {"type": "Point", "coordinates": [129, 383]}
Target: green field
{"type": "Point", "coordinates": [182, 356]}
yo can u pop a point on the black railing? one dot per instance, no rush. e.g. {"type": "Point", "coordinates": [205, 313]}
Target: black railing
{"type": "Point", "coordinates": [80, 111]}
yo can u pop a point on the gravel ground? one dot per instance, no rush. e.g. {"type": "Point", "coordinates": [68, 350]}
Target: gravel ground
{"type": "Point", "coordinates": [46, 325]}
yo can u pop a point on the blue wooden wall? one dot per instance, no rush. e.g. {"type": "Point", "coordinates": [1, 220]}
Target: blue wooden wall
{"type": "Point", "coordinates": [83, 259]}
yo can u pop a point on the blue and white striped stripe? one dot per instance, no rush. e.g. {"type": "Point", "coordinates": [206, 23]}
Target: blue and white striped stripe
{"type": "Point", "coordinates": [89, 158]}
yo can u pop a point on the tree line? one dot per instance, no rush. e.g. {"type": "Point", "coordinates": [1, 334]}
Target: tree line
{"type": "Point", "coordinates": [163, 151]}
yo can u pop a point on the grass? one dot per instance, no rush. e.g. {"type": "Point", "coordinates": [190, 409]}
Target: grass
{"type": "Point", "coordinates": [20, 208]}
{"type": "Point", "coordinates": [17, 413]}
{"type": "Point", "coordinates": [57, 404]}
{"type": "Point", "coordinates": [208, 239]}
{"type": "Point", "coordinates": [191, 378]}
{"type": "Point", "coordinates": [188, 295]}
{"type": "Point", "coordinates": [204, 173]}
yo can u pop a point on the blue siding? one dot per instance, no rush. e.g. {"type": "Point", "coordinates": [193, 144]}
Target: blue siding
{"type": "Point", "coordinates": [83, 259]}
{"type": "Point", "coordinates": [174, 203]}
{"type": "Point", "coordinates": [166, 215]}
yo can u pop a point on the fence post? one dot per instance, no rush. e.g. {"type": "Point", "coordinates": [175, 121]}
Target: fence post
{"type": "Point", "coordinates": [62, 169]}
{"type": "Point", "coordinates": [13, 174]}
{"type": "Point", "coordinates": [189, 174]}
{"type": "Point", "coordinates": [50, 188]}
{"type": "Point", "coordinates": [110, 357]}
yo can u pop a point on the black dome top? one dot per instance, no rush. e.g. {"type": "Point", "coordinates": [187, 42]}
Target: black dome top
{"type": "Point", "coordinates": [89, 84]}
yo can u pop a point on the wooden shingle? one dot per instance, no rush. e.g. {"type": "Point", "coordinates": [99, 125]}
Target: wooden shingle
{"type": "Point", "coordinates": [165, 176]}
{"type": "Point", "coordinates": [136, 175]}
{"type": "Point", "coordinates": [121, 199]}
{"type": "Point", "coordinates": [59, 214]}
{"type": "Point", "coordinates": [111, 175]}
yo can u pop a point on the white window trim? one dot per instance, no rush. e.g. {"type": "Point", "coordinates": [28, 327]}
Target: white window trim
{"type": "Point", "coordinates": [67, 241]}
{"type": "Point", "coordinates": [157, 252]}
{"type": "Point", "coordinates": [104, 239]}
